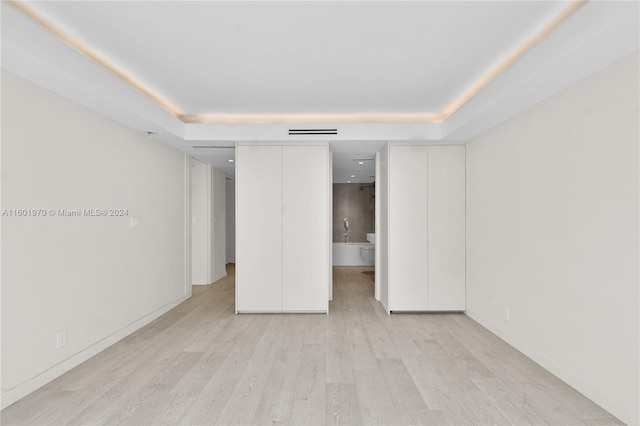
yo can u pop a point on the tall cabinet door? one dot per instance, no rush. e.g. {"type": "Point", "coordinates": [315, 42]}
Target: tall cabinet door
{"type": "Point", "coordinates": [446, 228]}
{"type": "Point", "coordinates": [259, 228]}
{"type": "Point", "coordinates": [305, 187]}
{"type": "Point", "coordinates": [408, 233]}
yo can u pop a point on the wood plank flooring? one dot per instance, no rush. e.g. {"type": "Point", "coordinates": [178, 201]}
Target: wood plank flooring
{"type": "Point", "coordinates": [200, 364]}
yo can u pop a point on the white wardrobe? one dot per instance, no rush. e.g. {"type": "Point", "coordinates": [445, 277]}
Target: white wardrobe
{"type": "Point", "coordinates": [282, 228]}
{"type": "Point", "coordinates": [424, 228]}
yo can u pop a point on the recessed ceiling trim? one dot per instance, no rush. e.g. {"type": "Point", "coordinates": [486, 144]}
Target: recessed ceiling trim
{"type": "Point", "coordinates": [87, 51]}
{"type": "Point", "coordinates": [309, 118]}
{"type": "Point", "coordinates": [189, 118]}
{"type": "Point", "coordinates": [503, 65]}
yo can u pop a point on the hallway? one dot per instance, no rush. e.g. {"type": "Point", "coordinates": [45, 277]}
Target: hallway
{"type": "Point", "coordinates": [201, 364]}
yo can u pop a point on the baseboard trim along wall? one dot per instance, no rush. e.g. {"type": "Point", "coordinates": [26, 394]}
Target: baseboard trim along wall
{"type": "Point", "coordinates": [220, 276]}
{"type": "Point", "coordinates": [215, 279]}
{"type": "Point", "coordinates": [10, 396]}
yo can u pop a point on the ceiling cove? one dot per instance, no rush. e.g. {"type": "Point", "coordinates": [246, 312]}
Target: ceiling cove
{"type": "Point", "coordinates": [242, 118]}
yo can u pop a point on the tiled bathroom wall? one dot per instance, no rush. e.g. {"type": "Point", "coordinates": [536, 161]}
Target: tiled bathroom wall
{"type": "Point", "coordinates": [356, 202]}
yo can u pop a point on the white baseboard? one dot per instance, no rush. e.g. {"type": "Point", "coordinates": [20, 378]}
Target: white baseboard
{"type": "Point", "coordinates": [10, 396]}
{"type": "Point", "coordinates": [216, 278]}
{"type": "Point", "coordinates": [559, 370]}
{"type": "Point", "coordinates": [220, 276]}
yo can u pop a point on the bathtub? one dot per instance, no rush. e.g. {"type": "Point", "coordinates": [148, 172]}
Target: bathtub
{"type": "Point", "coordinates": [348, 254]}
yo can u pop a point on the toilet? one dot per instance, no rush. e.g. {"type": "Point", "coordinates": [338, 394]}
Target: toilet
{"type": "Point", "coordinates": [368, 253]}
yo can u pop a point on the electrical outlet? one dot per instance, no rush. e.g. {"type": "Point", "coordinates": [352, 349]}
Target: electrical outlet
{"type": "Point", "coordinates": [61, 338]}
{"type": "Point", "coordinates": [134, 222]}
{"type": "Point", "coordinates": [506, 314]}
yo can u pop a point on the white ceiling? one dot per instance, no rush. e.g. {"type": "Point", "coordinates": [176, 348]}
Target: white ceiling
{"type": "Point", "coordinates": [347, 167]}
{"type": "Point", "coordinates": [312, 57]}
{"type": "Point", "coordinates": [304, 57]}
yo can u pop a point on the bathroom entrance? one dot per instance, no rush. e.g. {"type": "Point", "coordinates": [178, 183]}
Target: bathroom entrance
{"type": "Point", "coordinates": [354, 216]}
{"type": "Point", "coordinates": [354, 223]}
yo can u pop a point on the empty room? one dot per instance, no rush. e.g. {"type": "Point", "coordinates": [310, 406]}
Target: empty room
{"type": "Point", "coordinates": [320, 212]}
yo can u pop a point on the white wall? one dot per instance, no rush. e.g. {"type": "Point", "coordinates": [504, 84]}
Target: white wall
{"type": "Point", "coordinates": [377, 228]}
{"type": "Point", "coordinates": [208, 211]}
{"type": "Point", "coordinates": [553, 235]}
{"type": "Point", "coordinates": [382, 233]}
{"type": "Point", "coordinates": [219, 209]}
{"type": "Point", "coordinates": [201, 230]}
{"type": "Point", "coordinates": [94, 277]}
{"type": "Point", "coordinates": [230, 231]}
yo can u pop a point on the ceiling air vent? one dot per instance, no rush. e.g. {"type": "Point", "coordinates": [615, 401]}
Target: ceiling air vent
{"type": "Point", "coordinates": [299, 132]}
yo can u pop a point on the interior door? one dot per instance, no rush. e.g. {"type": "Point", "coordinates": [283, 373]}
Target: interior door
{"type": "Point", "coordinates": [305, 234]}
{"type": "Point", "coordinates": [446, 213]}
{"type": "Point", "coordinates": [258, 228]}
{"type": "Point", "coordinates": [408, 233]}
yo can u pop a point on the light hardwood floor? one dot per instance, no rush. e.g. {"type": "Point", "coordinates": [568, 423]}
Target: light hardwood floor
{"type": "Point", "coordinates": [201, 364]}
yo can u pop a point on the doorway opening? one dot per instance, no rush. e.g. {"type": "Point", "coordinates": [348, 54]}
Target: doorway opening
{"type": "Point", "coordinates": [354, 218]}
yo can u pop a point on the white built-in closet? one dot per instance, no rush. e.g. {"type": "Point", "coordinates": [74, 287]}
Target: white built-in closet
{"type": "Point", "coordinates": [282, 228]}
{"type": "Point", "coordinates": [422, 227]}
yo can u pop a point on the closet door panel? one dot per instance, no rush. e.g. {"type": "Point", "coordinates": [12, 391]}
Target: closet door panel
{"type": "Point", "coordinates": [305, 231]}
{"type": "Point", "coordinates": [446, 213]}
{"type": "Point", "coordinates": [408, 233]}
{"type": "Point", "coordinates": [259, 228]}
